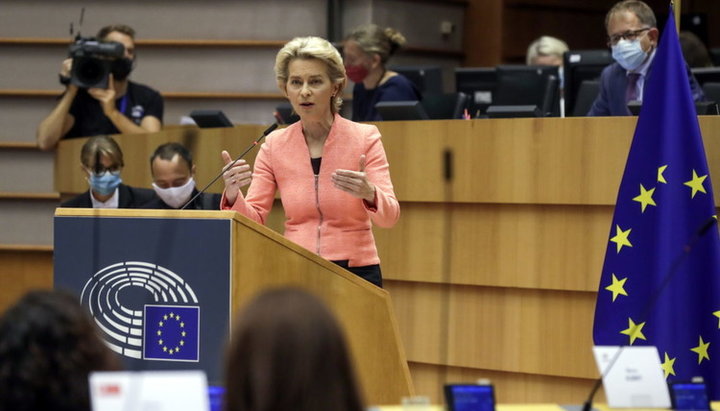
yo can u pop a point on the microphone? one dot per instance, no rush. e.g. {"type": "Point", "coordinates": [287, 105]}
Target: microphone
{"type": "Point", "coordinates": [227, 167]}
{"type": "Point", "coordinates": [699, 233]}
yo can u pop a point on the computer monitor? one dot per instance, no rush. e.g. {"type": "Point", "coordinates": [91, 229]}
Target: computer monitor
{"type": "Point", "coordinates": [579, 66]}
{"type": "Point", "coordinates": [210, 118]}
{"type": "Point", "coordinates": [428, 79]}
{"type": "Point", "coordinates": [401, 110]}
{"type": "Point", "coordinates": [528, 85]}
{"type": "Point", "coordinates": [707, 75]}
{"type": "Point", "coordinates": [479, 84]}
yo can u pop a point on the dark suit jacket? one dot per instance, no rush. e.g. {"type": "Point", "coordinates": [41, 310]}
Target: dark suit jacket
{"type": "Point", "coordinates": [206, 201]}
{"type": "Point", "coordinates": [130, 197]}
{"type": "Point", "coordinates": [613, 82]}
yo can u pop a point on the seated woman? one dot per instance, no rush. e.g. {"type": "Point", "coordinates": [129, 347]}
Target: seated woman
{"type": "Point", "coordinates": [48, 347]}
{"type": "Point", "coordinates": [287, 353]}
{"type": "Point", "coordinates": [102, 161]}
{"type": "Point", "coordinates": [366, 52]}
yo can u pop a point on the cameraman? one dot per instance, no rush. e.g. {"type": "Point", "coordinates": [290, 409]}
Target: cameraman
{"type": "Point", "coordinates": [124, 107]}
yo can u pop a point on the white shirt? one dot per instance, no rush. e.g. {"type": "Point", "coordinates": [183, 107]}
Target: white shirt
{"type": "Point", "coordinates": [112, 202]}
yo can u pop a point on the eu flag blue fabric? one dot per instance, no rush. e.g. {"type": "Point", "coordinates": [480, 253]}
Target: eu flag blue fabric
{"type": "Point", "coordinates": [664, 199]}
{"type": "Point", "coordinates": [171, 333]}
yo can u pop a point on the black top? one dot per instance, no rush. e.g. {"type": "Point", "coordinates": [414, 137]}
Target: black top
{"type": "Point", "coordinates": [138, 102]}
{"type": "Point", "coordinates": [130, 197]}
{"type": "Point", "coordinates": [396, 88]}
{"type": "Point", "coordinates": [316, 165]}
{"type": "Point", "coordinates": [206, 201]}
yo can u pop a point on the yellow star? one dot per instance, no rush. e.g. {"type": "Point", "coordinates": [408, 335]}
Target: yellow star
{"type": "Point", "coordinates": [661, 177]}
{"type": "Point", "coordinates": [183, 333]}
{"type": "Point", "coordinates": [621, 238]}
{"type": "Point", "coordinates": [645, 197]}
{"type": "Point", "coordinates": [717, 314]}
{"type": "Point", "coordinates": [667, 366]}
{"type": "Point", "coordinates": [696, 184]}
{"type": "Point", "coordinates": [165, 349]}
{"type": "Point", "coordinates": [172, 315]}
{"type": "Point", "coordinates": [701, 350]}
{"type": "Point", "coordinates": [617, 287]}
{"type": "Point", "coordinates": [182, 342]}
{"type": "Point", "coordinates": [182, 324]}
{"type": "Point", "coordinates": [177, 349]}
{"type": "Point", "coordinates": [170, 351]}
{"type": "Point", "coordinates": [177, 317]}
{"type": "Point", "coordinates": [160, 323]}
{"type": "Point", "coordinates": [160, 342]}
{"type": "Point", "coordinates": [159, 332]}
{"type": "Point", "coordinates": [164, 317]}
{"type": "Point", "coordinates": [634, 331]}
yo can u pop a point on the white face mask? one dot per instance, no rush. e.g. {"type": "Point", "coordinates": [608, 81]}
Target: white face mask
{"type": "Point", "coordinates": [629, 54]}
{"type": "Point", "coordinates": [176, 197]}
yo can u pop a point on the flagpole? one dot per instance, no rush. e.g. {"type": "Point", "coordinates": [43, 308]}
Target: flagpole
{"type": "Point", "coordinates": [678, 11]}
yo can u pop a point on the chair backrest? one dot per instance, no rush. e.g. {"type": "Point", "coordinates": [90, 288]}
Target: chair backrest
{"type": "Point", "coordinates": [428, 79]}
{"type": "Point", "coordinates": [712, 91]}
{"type": "Point", "coordinates": [588, 91]}
{"type": "Point", "coordinates": [528, 85]}
{"type": "Point", "coordinates": [445, 106]}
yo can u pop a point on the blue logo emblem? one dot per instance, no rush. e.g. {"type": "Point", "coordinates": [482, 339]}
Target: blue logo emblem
{"type": "Point", "coordinates": [171, 333]}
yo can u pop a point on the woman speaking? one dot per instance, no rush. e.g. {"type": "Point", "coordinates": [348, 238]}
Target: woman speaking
{"type": "Point", "coordinates": [332, 173]}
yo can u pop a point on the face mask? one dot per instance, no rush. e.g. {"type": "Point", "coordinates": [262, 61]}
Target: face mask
{"type": "Point", "coordinates": [121, 68]}
{"type": "Point", "coordinates": [356, 74]}
{"type": "Point", "coordinates": [105, 183]}
{"type": "Point", "coordinates": [176, 197]}
{"type": "Point", "coordinates": [629, 54]}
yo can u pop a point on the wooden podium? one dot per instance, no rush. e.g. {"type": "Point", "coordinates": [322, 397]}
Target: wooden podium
{"type": "Point", "coordinates": [96, 246]}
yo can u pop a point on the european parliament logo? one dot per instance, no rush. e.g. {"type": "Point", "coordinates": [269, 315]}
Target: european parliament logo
{"type": "Point", "coordinates": [145, 311]}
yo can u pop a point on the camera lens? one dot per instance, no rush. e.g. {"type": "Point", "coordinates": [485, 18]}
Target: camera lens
{"type": "Point", "coordinates": [90, 71]}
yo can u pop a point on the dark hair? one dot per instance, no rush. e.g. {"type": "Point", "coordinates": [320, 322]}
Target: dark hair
{"type": "Point", "coordinates": [48, 346]}
{"type": "Point", "coordinates": [643, 12]}
{"type": "Point", "coordinates": [168, 151]}
{"type": "Point", "coordinates": [288, 352]}
{"type": "Point", "coordinates": [120, 28]}
{"type": "Point", "coordinates": [694, 50]}
{"type": "Point", "coordinates": [101, 145]}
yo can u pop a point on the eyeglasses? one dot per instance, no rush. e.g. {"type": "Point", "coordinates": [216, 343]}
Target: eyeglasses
{"type": "Point", "coordinates": [628, 35]}
{"type": "Point", "coordinates": [101, 170]}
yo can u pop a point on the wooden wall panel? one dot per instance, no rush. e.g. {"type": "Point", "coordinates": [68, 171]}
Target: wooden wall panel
{"type": "Point", "coordinates": [22, 271]}
{"type": "Point", "coordinates": [503, 329]}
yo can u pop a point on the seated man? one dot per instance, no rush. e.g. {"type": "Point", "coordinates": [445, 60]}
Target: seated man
{"type": "Point", "coordinates": [633, 36]}
{"type": "Point", "coordinates": [102, 160]}
{"type": "Point", "coordinates": [124, 107]}
{"type": "Point", "coordinates": [173, 180]}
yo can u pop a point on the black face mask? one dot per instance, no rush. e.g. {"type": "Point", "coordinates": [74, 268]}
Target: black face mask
{"type": "Point", "coordinates": [121, 68]}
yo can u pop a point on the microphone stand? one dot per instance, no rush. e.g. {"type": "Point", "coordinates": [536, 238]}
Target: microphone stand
{"type": "Point", "coordinates": [227, 167]}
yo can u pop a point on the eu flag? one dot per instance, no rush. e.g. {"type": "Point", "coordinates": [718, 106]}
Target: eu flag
{"type": "Point", "coordinates": [171, 333]}
{"type": "Point", "coordinates": [662, 230]}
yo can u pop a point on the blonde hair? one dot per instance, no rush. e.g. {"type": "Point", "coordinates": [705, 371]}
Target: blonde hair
{"type": "Point", "coordinates": [546, 46]}
{"type": "Point", "coordinates": [374, 40]}
{"type": "Point", "coordinates": [312, 48]}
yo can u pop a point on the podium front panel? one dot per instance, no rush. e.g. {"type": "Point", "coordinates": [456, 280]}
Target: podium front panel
{"type": "Point", "coordinates": [157, 288]}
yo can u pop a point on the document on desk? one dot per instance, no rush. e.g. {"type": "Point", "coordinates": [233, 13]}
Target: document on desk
{"type": "Point", "coordinates": [632, 376]}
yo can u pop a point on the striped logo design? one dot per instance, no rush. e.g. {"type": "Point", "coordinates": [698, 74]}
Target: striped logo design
{"type": "Point", "coordinates": [123, 327]}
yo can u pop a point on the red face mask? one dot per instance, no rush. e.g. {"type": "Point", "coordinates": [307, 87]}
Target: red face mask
{"type": "Point", "coordinates": [356, 74]}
